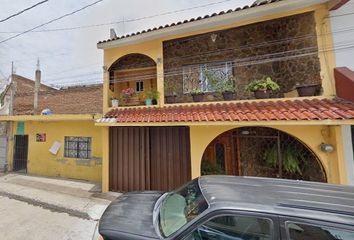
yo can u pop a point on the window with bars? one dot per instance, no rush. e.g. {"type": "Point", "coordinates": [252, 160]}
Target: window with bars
{"type": "Point", "coordinates": [195, 77]}
{"type": "Point", "coordinates": [77, 147]}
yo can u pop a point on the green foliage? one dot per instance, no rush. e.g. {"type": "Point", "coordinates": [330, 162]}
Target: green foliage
{"type": "Point", "coordinates": [290, 159]}
{"type": "Point", "coordinates": [263, 84]}
{"type": "Point", "coordinates": [220, 84]}
{"type": "Point", "coordinates": [209, 168]}
{"type": "Point", "coordinates": [196, 91]}
{"type": "Point", "coordinates": [152, 94]}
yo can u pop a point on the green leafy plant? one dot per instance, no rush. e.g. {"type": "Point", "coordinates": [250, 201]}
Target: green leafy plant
{"type": "Point", "coordinates": [290, 159]}
{"type": "Point", "coordinates": [209, 168]}
{"type": "Point", "coordinates": [262, 85]}
{"type": "Point", "coordinates": [196, 91]}
{"type": "Point", "coordinates": [152, 94]}
{"type": "Point", "coordinates": [220, 83]}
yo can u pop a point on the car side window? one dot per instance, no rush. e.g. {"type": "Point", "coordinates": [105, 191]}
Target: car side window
{"type": "Point", "coordinates": [234, 227]}
{"type": "Point", "coordinates": [297, 231]}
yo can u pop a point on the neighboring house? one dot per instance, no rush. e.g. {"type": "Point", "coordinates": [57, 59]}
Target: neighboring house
{"type": "Point", "coordinates": [4, 110]}
{"type": "Point", "coordinates": [160, 147]}
{"type": "Point", "coordinates": [66, 121]}
{"type": "Point", "coordinates": [342, 22]}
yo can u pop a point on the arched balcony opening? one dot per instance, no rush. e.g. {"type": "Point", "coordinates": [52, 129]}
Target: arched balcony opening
{"type": "Point", "coordinates": [133, 79]}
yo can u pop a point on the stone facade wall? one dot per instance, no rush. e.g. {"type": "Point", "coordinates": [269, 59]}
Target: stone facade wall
{"type": "Point", "coordinates": [284, 49]}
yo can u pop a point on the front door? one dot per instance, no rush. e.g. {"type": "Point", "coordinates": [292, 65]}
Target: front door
{"type": "Point", "coordinates": [20, 153]}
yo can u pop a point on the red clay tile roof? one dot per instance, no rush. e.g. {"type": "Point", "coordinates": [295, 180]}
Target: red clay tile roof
{"type": "Point", "coordinates": [298, 110]}
{"type": "Point", "coordinates": [255, 4]}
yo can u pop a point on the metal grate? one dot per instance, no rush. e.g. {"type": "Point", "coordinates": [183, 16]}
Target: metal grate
{"type": "Point", "coordinates": [77, 147]}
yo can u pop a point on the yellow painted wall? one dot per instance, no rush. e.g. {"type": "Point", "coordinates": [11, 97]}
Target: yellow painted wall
{"type": "Point", "coordinates": [42, 162]}
{"type": "Point", "coordinates": [312, 136]}
{"type": "Point", "coordinates": [154, 49]}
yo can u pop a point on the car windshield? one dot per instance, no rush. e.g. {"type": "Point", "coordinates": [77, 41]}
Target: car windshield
{"type": "Point", "coordinates": [180, 207]}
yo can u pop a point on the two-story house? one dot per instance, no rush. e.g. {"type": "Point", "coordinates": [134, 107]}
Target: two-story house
{"type": "Point", "coordinates": [196, 128]}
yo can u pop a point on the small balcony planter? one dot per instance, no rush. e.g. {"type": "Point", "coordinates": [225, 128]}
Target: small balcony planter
{"type": "Point", "coordinates": [151, 97]}
{"type": "Point", "coordinates": [307, 90]}
{"type": "Point", "coordinates": [114, 102]}
{"type": "Point", "coordinates": [228, 96]}
{"type": "Point", "coordinates": [197, 95]}
{"type": "Point", "coordinates": [148, 102]}
{"type": "Point", "coordinates": [170, 99]}
{"type": "Point", "coordinates": [263, 87]}
{"type": "Point", "coordinates": [262, 94]}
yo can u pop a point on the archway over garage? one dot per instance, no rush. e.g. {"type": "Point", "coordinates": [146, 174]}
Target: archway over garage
{"type": "Point", "coordinates": [261, 152]}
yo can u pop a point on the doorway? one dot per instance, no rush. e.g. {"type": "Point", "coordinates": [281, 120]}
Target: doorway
{"type": "Point", "coordinates": [20, 153]}
{"type": "Point", "coordinates": [261, 152]}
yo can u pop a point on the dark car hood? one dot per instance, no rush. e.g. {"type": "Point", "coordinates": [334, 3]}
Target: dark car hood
{"type": "Point", "coordinates": [130, 216]}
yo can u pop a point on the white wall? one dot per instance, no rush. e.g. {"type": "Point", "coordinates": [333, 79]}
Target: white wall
{"type": "Point", "coordinates": [342, 21]}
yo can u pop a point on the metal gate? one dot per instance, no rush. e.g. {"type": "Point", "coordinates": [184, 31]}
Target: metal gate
{"type": "Point", "coordinates": [148, 158]}
{"type": "Point", "coordinates": [3, 152]}
{"type": "Point", "coordinates": [20, 153]}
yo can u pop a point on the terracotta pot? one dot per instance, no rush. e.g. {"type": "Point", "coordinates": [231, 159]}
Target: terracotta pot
{"type": "Point", "coordinates": [307, 91]}
{"type": "Point", "coordinates": [198, 97]}
{"type": "Point", "coordinates": [170, 99]}
{"type": "Point", "coordinates": [228, 96]}
{"type": "Point", "coordinates": [261, 94]}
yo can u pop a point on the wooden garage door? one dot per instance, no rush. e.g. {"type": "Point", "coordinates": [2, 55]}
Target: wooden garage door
{"type": "Point", "coordinates": [149, 158]}
{"type": "Point", "coordinates": [170, 157]}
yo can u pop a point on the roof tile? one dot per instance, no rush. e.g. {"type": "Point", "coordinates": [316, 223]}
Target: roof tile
{"type": "Point", "coordinates": [298, 110]}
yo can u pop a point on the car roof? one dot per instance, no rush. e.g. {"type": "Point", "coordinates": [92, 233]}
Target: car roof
{"type": "Point", "coordinates": [319, 201]}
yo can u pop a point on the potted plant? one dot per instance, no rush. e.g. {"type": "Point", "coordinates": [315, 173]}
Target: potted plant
{"type": "Point", "coordinates": [228, 89]}
{"type": "Point", "coordinates": [114, 102]}
{"type": "Point", "coordinates": [170, 91]}
{"type": "Point", "coordinates": [263, 87]}
{"type": "Point", "coordinates": [151, 97]}
{"type": "Point", "coordinates": [210, 168]}
{"type": "Point", "coordinates": [197, 95]}
{"type": "Point", "coordinates": [130, 97]}
{"type": "Point", "coordinates": [307, 90]}
{"type": "Point", "coordinates": [224, 84]}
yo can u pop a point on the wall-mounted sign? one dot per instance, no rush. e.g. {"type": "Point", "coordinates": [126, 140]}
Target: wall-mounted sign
{"type": "Point", "coordinates": [41, 137]}
{"type": "Point", "coordinates": [55, 148]}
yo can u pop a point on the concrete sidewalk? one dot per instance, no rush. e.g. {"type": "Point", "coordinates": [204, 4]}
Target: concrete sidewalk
{"type": "Point", "coordinates": [76, 198]}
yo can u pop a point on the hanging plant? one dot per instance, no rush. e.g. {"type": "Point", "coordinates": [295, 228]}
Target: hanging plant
{"type": "Point", "coordinates": [290, 159]}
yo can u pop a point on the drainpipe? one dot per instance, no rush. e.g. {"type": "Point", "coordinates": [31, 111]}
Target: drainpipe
{"type": "Point", "coordinates": [37, 86]}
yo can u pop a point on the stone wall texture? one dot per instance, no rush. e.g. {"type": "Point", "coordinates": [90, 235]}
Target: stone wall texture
{"type": "Point", "coordinates": [284, 49]}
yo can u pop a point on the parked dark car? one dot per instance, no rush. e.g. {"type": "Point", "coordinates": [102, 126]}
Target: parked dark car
{"type": "Point", "coordinates": [234, 208]}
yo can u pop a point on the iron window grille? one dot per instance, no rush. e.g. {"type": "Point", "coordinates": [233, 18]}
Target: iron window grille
{"type": "Point", "coordinates": [195, 78]}
{"type": "Point", "coordinates": [77, 147]}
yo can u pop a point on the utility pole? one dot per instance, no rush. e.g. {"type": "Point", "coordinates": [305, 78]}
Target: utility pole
{"type": "Point", "coordinates": [12, 91]}
{"type": "Point", "coordinates": [37, 86]}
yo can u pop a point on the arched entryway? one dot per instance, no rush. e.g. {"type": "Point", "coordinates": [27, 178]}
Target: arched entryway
{"type": "Point", "coordinates": [261, 152]}
{"type": "Point", "coordinates": [135, 73]}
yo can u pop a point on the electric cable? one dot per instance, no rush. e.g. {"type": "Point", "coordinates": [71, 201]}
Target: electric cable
{"type": "Point", "coordinates": [51, 21]}
{"type": "Point", "coordinates": [24, 10]}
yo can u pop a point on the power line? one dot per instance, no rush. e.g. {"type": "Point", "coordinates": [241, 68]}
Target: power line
{"type": "Point", "coordinates": [51, 21]}
{"type": "Point", "coordinates": [213, 53]}
{"type": "Point", "coordinates": [129, 20]}
{"type": "Point", "coordinates": [24, 10]}
{"type": "Point", "coordinates": [237, 63]}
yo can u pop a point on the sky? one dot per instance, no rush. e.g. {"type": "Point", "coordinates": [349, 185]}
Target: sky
{"type": "Point", "coordinates": [71, 56]}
